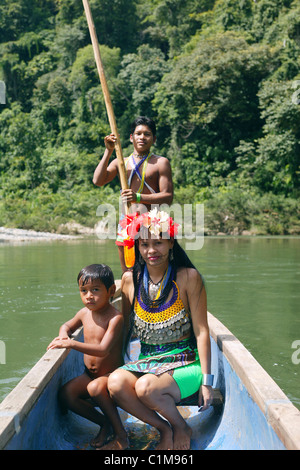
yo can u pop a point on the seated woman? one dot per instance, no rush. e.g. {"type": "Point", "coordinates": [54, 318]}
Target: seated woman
{"type": "Point", "coordinates": [169, 316]}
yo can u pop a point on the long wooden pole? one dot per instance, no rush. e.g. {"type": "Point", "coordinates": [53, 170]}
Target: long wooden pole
{"type": "Point", "coordinates": [129, 252]}
{"type": "Point", "coordinates": [107, 99]}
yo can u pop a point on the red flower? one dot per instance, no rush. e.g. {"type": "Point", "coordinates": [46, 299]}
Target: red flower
{"type": "Point", "coordinates": [173, 228]}
{"type": "Point", "coordinates": [132, 224]}
{"type": "Point", "coordinates": [128, 219]}
{"type": "Point", "coordinates": [128, 242]}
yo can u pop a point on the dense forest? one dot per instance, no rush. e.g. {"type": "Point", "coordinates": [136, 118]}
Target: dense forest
{"type": "Point", "coordinates": [221, 78]}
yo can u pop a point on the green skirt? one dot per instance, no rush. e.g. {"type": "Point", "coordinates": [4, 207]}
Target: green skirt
{"type": "Point", "coordinates": [179, 359]}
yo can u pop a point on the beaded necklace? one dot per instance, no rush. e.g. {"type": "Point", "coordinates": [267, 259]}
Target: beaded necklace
{"type": "Point", "coordinates": [163, 288]}
{"type": "Point", "coordinates": [160, 324]}
{"type": "Point", "coordinates": [135, 171]}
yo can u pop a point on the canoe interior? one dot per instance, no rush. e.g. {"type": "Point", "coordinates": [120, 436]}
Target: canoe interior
{"type": "Point", "coordinates": [238, 425]}
{"type": "Point", "coordinates": [255, 413]}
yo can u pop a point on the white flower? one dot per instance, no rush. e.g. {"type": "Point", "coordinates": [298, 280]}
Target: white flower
{"type": "Point", "coordinates": [157, 222]}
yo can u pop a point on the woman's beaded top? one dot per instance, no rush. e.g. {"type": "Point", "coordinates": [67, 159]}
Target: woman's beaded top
{"type": "Point", "coordinates": [163, 324]}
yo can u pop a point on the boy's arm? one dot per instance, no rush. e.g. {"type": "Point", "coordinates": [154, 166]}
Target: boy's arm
{"type": "Point", "coordinates": [67, 329]}
{"type": "Point", "coordinates": [112, 335]}
{"type": "Point", "coordinates": [110, 338]}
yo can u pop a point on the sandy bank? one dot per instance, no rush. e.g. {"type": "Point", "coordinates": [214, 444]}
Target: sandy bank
{"type": "Point", "coordinates": [20, 235]}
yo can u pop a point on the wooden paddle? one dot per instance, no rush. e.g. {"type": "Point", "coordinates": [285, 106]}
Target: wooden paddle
{"type": "Point", "coordinates": [128, 252]}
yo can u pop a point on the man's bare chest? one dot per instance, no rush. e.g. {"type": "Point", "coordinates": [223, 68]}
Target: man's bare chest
{"type": "Point", "coordinates": [147, 172]}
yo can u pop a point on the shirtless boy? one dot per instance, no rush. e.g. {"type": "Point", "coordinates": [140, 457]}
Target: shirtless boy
{"type": "Point", "coordinates": [149, 175]}
{"type": "Point", "coordinates": [102, 349]}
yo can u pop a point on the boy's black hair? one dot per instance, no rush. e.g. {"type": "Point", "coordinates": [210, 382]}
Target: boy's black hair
{"type": "Point", "coordinates": [96, 272]}
{"type": "Point", "coordinates": [144, 121]}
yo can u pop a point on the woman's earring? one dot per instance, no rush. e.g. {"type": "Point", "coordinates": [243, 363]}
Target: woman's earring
{"type": "Point", "coordinates": [141, 260]}
{"type": "Point", "coordinates": [171, 255]}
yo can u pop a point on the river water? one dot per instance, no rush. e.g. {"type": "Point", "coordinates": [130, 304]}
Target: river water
{"type": "Point", "coordinates": [252, 286]}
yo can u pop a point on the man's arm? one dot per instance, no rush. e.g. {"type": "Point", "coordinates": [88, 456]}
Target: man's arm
{"type": "Point", "coordinates": [105, 173]}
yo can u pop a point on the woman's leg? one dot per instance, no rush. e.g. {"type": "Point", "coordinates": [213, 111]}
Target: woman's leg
{"type": "Point", "coordinates": [121, 385]}
{"type": "Point", "coordinates": [160, 394]}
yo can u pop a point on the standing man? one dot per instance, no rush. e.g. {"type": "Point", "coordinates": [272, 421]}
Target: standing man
{"type": "Point", "coordinates": [149, 175]}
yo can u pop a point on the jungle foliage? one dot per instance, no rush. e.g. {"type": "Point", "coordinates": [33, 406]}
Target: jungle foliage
{"type": "Point", "coordinates": [221, 78]}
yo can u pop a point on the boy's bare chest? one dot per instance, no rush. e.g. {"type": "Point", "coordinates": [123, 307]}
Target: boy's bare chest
{"type": "Point", "coordinates": [94, 330]}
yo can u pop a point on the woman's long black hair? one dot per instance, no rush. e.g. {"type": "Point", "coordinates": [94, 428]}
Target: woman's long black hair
{"type": "Point", "coordinates": [179, 260]}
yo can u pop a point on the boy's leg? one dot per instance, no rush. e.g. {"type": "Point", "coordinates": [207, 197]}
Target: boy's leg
{"type": "Point", "coordinates": [74, 394]}
{"type": "Point", "coordinates": [98, 391]}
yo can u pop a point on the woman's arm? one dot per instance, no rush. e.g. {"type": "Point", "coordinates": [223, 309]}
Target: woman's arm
{"type": "Point", "coordinates": [196, 294]}
{"type": "Point", "coordinates": [127, 289]}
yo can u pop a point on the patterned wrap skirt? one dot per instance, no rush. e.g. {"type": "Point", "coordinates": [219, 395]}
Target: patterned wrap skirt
{"type": "Point", "coordinates": [180, 359]}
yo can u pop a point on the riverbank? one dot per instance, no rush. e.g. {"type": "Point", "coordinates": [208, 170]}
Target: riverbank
{"type": "Point", "coordinates": [227, 211]}
{"type": "Point", "coordinates": [74, 231]}
{"type": "Point", "coordinates": [20, 235]}
{"type": "Point", "coordinates": [68, 231]}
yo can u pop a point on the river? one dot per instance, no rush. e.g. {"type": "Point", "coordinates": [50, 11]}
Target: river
{"type": "Point", "coordinates": [252, 286]}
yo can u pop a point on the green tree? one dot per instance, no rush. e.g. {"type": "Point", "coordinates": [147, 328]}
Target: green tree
{"type": "Point", "coordinates": [169, 24]}
{"type": "Point", "coordinates": [21, 139]}
{"type": "Point", "coordinates": [209, 99]}
{"type": "Point", "coordinates": [277, 163]}
{"type": "Point", "coordinates": [139, 78]}
{"type": "Point", "coordinates": [18, 17]}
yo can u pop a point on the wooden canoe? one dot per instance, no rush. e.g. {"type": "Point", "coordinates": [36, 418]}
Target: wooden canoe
{"type": "Point", "coordinates": [250, 410]}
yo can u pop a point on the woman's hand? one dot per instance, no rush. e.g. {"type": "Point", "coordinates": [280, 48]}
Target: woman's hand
{"type": "Point", "coordinates": [205, 397]}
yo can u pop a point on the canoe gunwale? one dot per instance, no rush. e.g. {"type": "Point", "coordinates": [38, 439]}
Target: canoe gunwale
{"type": "Point", "coordinates": [19, 402]}
{"type": "Point", "coordinates": [278, 410]}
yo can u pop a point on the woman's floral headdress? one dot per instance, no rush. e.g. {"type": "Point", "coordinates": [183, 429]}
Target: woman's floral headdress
{"type": "Point", "coordinates": [155, 221]}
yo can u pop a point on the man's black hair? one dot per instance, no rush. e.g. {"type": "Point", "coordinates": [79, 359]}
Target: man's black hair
{"type": "Point", "coordinates": [144, 121]}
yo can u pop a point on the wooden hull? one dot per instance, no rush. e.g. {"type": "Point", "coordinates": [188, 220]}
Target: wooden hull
{"type": "Point", "coordinates": [256, 413]}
